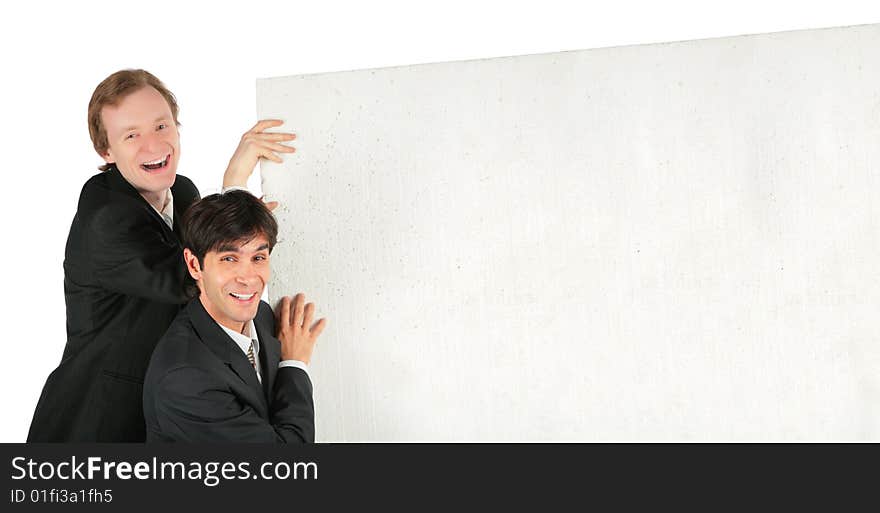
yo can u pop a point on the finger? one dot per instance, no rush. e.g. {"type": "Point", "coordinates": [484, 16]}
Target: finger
{"type": "Point", "coordinates": [310, 314]}
{"type": "Point", "coordinates": [298, 302]}
{"type": "Point", "coordinates": [317, 328]}
{"type": "Point", "coordinates": [264, 124]}
{"type": "Point", "coordinates": [284, 309]}
{"type": "Point", "coordinates": [273, 136]}
{"type": "Point", "coordinates": [269, 204]}
{"type": "Point", "coordinates": [267, 153]}
{"type": "Point", "coordinates": [283, 148]}
{"type": "Point", "coordinates": [271, 156]}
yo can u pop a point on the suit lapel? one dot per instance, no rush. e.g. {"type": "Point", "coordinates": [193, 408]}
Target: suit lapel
{"type": "Point", "coordinates": [270, 350]}
{"type": "Point", "coordinates": [225, 348]}
{"type": "Point", "coordinates": [178, 210]}
{"type": "Point", "coordinates": [120, 184]}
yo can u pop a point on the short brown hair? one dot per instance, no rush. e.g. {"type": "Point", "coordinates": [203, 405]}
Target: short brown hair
{"type": "Point", "coordinates": [232, 217]}
{"type": "Point", "coordinates": [113, 90]}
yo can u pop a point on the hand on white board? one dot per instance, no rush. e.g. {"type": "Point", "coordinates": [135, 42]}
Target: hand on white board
{"type": "Point", "coordinates": [296, 331]}
{"type": "Point", "coordinates": [254, 145]}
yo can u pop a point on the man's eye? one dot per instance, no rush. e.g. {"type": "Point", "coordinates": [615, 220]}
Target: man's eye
{"type": "Point", "coordinates": [130, 136]}
{"type": "Point", "coordinates": [228, 259]}
{"type": "Point", "coordinates": [161, 126]}
{"type": "Point", "coordinates": [260, 258]}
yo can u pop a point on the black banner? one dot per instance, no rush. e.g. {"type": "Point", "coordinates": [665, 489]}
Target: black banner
{"type": "Point", "coordinates": [123, 477]}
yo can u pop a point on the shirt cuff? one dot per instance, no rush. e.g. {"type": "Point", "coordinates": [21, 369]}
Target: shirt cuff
{"type": "Point", "coordinates": [295, 363]}
{"type": "Point", "coordinates": [234, 188]}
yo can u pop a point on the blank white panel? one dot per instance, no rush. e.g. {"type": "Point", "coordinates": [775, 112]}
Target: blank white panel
{"type": "Point", "coordinates": [662, 242]}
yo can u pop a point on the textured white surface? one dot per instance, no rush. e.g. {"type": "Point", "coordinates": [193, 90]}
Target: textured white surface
{"type": "Point", "coordinates": [664, 242]}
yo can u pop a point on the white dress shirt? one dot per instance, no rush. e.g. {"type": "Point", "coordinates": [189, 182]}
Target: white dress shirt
{"type": "Point", "coordinates": [243, 341]}
{"type": "Point", "coordinates": [167, 211]}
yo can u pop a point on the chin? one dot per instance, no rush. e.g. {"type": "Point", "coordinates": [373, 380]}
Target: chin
{"type": "Point", "coordinates": [246, 314]}
{"type": "Point", "coordinates": [169, 180]}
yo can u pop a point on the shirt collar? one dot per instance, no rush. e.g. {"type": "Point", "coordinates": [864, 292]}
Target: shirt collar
{"type": "Point", "coordinates": [167, 212]}
{"type": "Point", "coordinates": [243, 341]}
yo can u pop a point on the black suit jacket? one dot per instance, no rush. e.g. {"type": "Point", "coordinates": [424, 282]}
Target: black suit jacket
{"type": "Point", "coordinates": [200, 386]}
{"type": "Point", "coordinates": [124, 279]}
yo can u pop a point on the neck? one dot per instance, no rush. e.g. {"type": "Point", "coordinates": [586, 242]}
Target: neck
{"type": "Point", "coordinates": [237, 327]}
{"type": "Point", "coordinates": [156, 199]}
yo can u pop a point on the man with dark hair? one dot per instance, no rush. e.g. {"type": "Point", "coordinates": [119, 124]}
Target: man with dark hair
{"type": "Point", "coordinates": [123, 268]}
{"type": "Point", "coordinates": [219, 373]}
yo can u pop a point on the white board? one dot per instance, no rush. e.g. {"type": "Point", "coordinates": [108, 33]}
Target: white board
{"type": "Point", "coordinates": [663, 242]}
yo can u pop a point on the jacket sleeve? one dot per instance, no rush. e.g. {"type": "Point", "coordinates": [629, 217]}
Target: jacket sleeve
{"type": "Point", "coordinates": [193, 405]}
{"type": "Point", "coordinates": [130, 256]}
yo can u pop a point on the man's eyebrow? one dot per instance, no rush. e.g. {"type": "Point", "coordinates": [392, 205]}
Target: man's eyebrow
{"type": "Point", "coordinates": [229, 248]}
{"type": "Point", "coordinates": [160, 118]}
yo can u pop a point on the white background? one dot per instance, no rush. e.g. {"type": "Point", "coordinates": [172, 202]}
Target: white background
{"type": "Point", "coordinates": [54, 54]}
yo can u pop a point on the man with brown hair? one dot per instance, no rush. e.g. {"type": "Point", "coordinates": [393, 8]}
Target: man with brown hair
{"type": "Point", "coordinates": [124, 273]}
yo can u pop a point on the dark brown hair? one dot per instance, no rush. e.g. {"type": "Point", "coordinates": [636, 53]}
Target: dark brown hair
{"type": "Point", "coordinates": [233, 217]}
{"type": "Point", "coordinates": [111, 91]}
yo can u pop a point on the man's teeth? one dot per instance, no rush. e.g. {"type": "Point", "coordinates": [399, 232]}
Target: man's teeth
{"type": "Point", "coordinates": [156, 163]}
{"type": "Point", "coordinates": [243, 296]}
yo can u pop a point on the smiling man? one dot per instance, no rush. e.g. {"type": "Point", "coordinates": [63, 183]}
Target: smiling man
{"type": "Point", "coordinates": [124, 275]}
{"type": "Point", "coordinates": [220, 374]}
{"type": "Point", "coordinates": [146, 145]}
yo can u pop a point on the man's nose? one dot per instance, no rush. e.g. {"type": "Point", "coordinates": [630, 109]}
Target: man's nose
{"type": "Point", "coordinates": [246, 274]}
{"type": "Point", "coordinates": [154, 143]}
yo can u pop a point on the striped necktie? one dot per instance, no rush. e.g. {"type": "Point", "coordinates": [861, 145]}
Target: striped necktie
{"type": "Point", "coordinates": [250, 355]}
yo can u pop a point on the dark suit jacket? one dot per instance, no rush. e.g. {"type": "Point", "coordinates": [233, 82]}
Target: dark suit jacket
{"type": "Point", "coordinates": [200, 386]}
{"type": "Point", "coordinates": [124, 281]}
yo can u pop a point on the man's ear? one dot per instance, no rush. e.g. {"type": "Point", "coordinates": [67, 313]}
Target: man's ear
{"type": "Point", "coordinates": [192, 264]}
{"type": "Point", "coordinates": [108, 158]}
